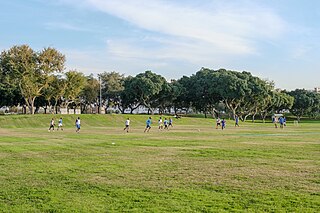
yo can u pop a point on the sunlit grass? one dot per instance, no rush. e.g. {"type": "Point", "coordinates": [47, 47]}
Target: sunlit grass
{"type": "Point", "coordinates": [191, 168]}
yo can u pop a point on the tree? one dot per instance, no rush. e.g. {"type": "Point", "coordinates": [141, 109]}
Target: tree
{"type": "Point", "coordinates": [90, 92]}
{"type": "Point", "coordinates": [275, 102]}
{"type": "Point", "coordinates": [112, 87]}
{"type": "Point", "coordinates": [75, 82]}
{"type": "Point", "coordinates": [145, 88]}
{"type": "Point", "coordinates": [9, 91]}
{"type": "Point", "coordinates": [303, 104]}
{"type": "Point", "coordinates": [31, 70]}
{"type": "Point", "coordinates": [202, 90]}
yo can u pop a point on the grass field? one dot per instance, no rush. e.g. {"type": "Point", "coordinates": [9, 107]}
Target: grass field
{"type": "Point", "coordinates": [191, 168]}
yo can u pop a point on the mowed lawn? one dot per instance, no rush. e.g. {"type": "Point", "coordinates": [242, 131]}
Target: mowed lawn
{"type": "Point", "coordinates": [191, 168]}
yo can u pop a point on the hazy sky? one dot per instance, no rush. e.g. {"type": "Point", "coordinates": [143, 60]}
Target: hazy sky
{"type": "Point", "coordinates": [274, 39]}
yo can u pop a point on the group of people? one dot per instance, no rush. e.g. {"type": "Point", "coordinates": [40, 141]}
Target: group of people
{"type": "Point", "coordinates": [60, 125]}
{"type": "Point", "coordinates": [166, 123]}
{"type": "Point", "coordinates": [162, 124]}
{"type": "Point", "coordinates": [222, 123]}
{"type": "Point", "coordinates": [281, 120]}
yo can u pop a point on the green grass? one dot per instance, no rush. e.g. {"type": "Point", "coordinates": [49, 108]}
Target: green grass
{"type": "Point", "coordinates": [191, 168]}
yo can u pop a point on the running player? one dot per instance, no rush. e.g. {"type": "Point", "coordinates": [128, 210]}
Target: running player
{"type": "Point", "coordinates": [51, 125]}
{"type": "Point", "coordinates": [160, 123]}
{"type": "Point", "coordinates": [165, 123]}
{"type": "Point", "coordinates": [148, 125]}
{"type": "Point", "coordinates": [127, 123]}
{"type": "Point", "coordinates": [78, 124]}
{"type": "Point", "coordinates": [60, 124]}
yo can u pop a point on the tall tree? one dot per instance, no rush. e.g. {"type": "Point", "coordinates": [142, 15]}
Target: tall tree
{"type": "Point", "coordinates": [90, 92]}
{"type": "Point", "coordinates": [32, 70]}
{"type": "Point", "coordinates": [147, 87]}
{"type": "Point", "coordinates": [303, 102]}
{"type": "Point", "coordinates": [75, 82]}
{"type": "Point", "coordinates": [112, 87]}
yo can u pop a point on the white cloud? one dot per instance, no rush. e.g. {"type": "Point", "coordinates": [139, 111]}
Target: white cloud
{"type": "Point", "coordinates": [65, 26]}
{"type": "Point", "coordinates": [230, 30]}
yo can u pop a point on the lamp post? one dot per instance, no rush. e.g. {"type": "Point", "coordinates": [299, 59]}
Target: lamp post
{"type": "Point", "coordinates": [100, 105]}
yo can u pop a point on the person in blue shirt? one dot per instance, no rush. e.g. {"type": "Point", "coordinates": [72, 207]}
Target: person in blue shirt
{"type": "Point", "coordinates": [223, 124]}
{"type": "Point", "coordinates": [148, 125]}
{"type": "Point", "coordinates": [60, 124]}
{"type": "Point", "coordinates": [165, 123]}
{"type": "Point", "coordinates": [281, 121]}
{"type": "Point", "coordinates": [236, 121]}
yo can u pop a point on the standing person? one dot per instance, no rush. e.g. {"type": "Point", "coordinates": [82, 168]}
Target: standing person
{"type": "Point", "coordinates": [236, 121]}
{"type": "Point", "coordinates": [284, 121]}
{"type": "Point", "coordinates": [275, 121]}
{"type": "Point", "coordinates": [78, 124]}
{"type": "Point", "coordinates": [223, 124]}
{"type": "Point", "coordinates": [148, 125]}
{"type": "Point", "coordinates": [170, 122]}
{"type": "Point", "coordinates": [127, 125]}
{"type": "Point", "coordinates": [218, 123]}
{"type": "Point", "coordinates": [160, 123]}
{"type": "Point", "coordinates": [60, 124]}
{"type": "Point", "coordinates": [51, 127]}
{"type": "Point", "coordinates": [281, 122]}
{"type": "Point", "coordinates": [165, 122]}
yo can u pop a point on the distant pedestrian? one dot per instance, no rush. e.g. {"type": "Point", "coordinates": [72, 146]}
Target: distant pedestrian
{"type": "Point", "coordinates": [127, 124]}
{"type": "Point", "coordinates": [236, 121]}
{"type": "Point", "coordinates": [160, 125]}
{"type": "Point", "coordinates": [78, 125]}
{"type": "Point", "coordinates": [165, 123]}
{"type": "Point", "coordinates": [148, 125]}
{"type": "Point", "coordinates": [218, 123]}
{"type": "Point", "coordinates": [60, 124]}
{"type": "Point", "coordinates": [170, 122]}
{"type": "Point", "coordinates": [275, 121]}
{"type": "Point", "coordinates": [281, 121]}
{"type": "Point", "coordinates": [223, 124]}
{"type": "Point", "coordinates": [51, 127]}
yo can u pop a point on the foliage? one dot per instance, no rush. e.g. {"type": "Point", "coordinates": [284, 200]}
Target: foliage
{"type": "Point", "coordinates": [31, 70]}
{"type": "Point", "coordinates": [305, 103]}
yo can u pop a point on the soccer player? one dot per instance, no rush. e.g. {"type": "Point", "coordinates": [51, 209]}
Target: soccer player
{"type": "Point", "coordinates": [165, 123]}
{"type": "Point", "coordinates": [275, 121]}
{"type": "Point", "coordinates": [281, 121]}
{"type": "Point", "coordinates": [78, 123]}
{"type": "Point", "coordinates": [170, 122]}
{"type": "Point", "coordinates": [236, 121]}
{"type": "Point", "coordinates": [51, 125]}
{"type": "Point", "coordinates": [127, 123]}
{"type": "Point", "coordinates": [60, 124]}
{"type": "Point", "coordinates": [218, 123]}
{"type": "Point", "coordinates": [148, 125]}
{"type": "Point", "coordinates": [223, 124]}
{"type": "Point", "coordinates": [160, 123]}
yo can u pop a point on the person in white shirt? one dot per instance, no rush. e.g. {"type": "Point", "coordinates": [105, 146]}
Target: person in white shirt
{"type": "Point", "coordinates": [78, 123]}
{"type": "Point", "coordinates": [127, 124]}
{"type": "Point", "coordinates": [160, 123]}
{"type": "Point", "coordinates": [51, 125]}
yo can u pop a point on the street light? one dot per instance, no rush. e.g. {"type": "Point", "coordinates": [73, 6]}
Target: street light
{"type": "Point", "coordinates": [100, 95]}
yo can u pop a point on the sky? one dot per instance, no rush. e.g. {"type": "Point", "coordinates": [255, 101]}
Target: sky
{"type": "Point", "coordinates": [276, 40]}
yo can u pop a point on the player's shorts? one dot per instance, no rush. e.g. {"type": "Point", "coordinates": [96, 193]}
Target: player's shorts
{"type": "Point", "coordinates": [148, 126]}
{"type": "Point", "coordinates": [60, 124]}
{"type": "Point", "coordinates": [78, 126]}
{"type": "Point", "coordinates": [127, 126]}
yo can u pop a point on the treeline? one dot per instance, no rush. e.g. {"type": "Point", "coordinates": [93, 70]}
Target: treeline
{"type": "Point", "coordinates": [38, 79]}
